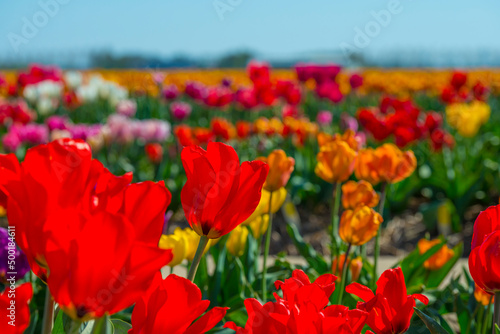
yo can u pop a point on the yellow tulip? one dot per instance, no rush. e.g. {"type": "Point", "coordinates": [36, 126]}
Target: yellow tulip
{"type": "Point", "coordinates": [278, 199]}
{"type": "Point", "coordinates": [467, 118]}
{"type": "Point", "coordinates": [177, 244]}
{"type": "Point", "coordinates": [259, 225]}
{"type": "Point", "coordinates": [360, 225]}
{"type": "Point", "coordinates": [192, 239]}
{"type": "Point", "coordinates": [237, 241]}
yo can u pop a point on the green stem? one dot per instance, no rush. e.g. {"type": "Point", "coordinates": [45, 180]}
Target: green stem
{"type": "Point", "coordinates": [480, 321]}
{"type": "Point", "coordinates": [487, 318]}
{"type": "Point", "coordinates": [102, 326]}
{"type": "Point", "coordinates": [469, 323]}
{"type": "Point", "coordinates": [197, 257]}
{"type": "Point", "coordinates": [48, 315]}
{"type": "Point", "coordinates": [383, 193]}
{"type": "Point", "coordinates": [345, 267]}
{"type": "Point", "coordinates": [245, 281]}
{"type": "Point", "coordinates": [266, 249]}
{"type": "Point", "coordinates": [496, 319]}
{"type": "Point", "coordinates": [75, 327]}
{"type": "Point", "coordinates": [335, 219]}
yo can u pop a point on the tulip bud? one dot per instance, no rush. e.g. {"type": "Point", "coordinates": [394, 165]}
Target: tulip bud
{"type": "Point", "coordinates": [280, 169]}
{"type": "Point", "coordinates": [355, 266]}
{"type": "Point", "coordinates": [180, 110]}
{"type": "Point", "coordinates": [154, 152]}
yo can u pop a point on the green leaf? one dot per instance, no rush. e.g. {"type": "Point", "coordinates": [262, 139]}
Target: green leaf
{"type": "Point", "coordinates": [414, 262]}
{"type": "Point", "coordinates": [436, 277]}
{"type": "Point", "coordinates": [316, 261]}
{"type": "Point", "coordinates": [497, 329]}
{"type": "Point", "coordinates": [33, 321]}
{"type": "Point", "coordinates": [58, 324]}
{"type": "Point", "coordinates": [219, 269]}
{"type": "Point", "coordinates": [103, 326]}
{"type": "Point", "coordinates": [120, 326]}
{"type": "Point", "coordinates": [431, 324]}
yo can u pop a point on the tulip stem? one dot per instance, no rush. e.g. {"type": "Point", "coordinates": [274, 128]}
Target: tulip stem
{"type": "Point", "coordinates": [197, 257]}
{"type": "Point", "coordinates": [335, 219]}
{"type": "Point", "coordinates": [345, 267]}
{"type": "Point", "coordinates": [496, 320]}
{"type": "Point", "coordinates": [376, 252]}
{"type": "Point", "coordinates": [102, 326]}
{"type": "Point", "coordinates": [266, 248]}
{"type": "Point", "coordinates": [74, 327]}
{"type": "Point", "coordinates": [48, 314]}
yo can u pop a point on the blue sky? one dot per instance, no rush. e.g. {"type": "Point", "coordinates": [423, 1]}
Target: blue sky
{"type": "Point", "coordinates": [273, 27]}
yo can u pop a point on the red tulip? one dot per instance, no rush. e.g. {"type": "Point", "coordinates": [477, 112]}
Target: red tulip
{"type": "Point", "coordinates": [301, 310]}
{"type": "Point", "coordinates": [259, 73]}
{"type": "Point", "coordinates": [172, 306]}
{"type": "Point", "coordinates": [184, 135]}
{"type": "Point", "coordinates": [391, 308]}
{"type": "Point", "coordinates": [203, 135]}
{"type": "Point", "coordinates": [484, 257]}
{"type": "Point", "coordinates": [81, 226]}
{"type": "Point", "coordinates": [433, 120]}
{"type": "Point", "coordinates": [458, 80]}
{"type": "Point", "coordinates": [304, 71]}
{"type": "Point", "coordinates": [480, 91]}
{"type": "Point", "coordinates": [219, 193]}
{"type": "Point", "coordinates": [247, 98]}
{"type": "Point", "coordinates": [222, 128]}
{"type": "Point", "coordinates": [15, 318]}
{"type": "Point", "coordinates": [154, 151]}
{"type": "Point", "coordinates": [440, 138]}
{"type": "Point", "coordinates": [9, 170]}
{"type": "Point", "coordinates": [448, 95]}
{"type": "Point", "coordinates": [356, 81]}
{"type": "Point", "coordinates": [218, 97]}
{"type": "Point", "coordinates": [243, 129]}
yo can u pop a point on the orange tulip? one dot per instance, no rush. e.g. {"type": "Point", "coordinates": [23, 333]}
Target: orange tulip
{"type": "Point", "coordinates": [440, 258]}
{"type": "Point", "coordinates": [280, 169]}
{"type": "Point", "coordinates": [359, 226]}
{"type": "Point", "coordinates": [335, 161]}
{"type": "Point", "coordinates": [349, 136]}
{"type": "Point", "coordinates": [483, 297]}
{"type": "Point", "coordinates": [355, 266]}
{"type": "Point", "coordinates": [358, 193]}
{"type": "Point", "coordinates": [386, 163]}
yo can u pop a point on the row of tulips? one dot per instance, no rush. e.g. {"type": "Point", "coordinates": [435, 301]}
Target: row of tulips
{"type": "Point", "coordinates": [124, 128]}
{"type": "Point", "coordinates": [95, 240]}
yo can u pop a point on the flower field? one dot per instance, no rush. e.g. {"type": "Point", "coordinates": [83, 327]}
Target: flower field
{"type": "Point", "coordinates": [110, 180]}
